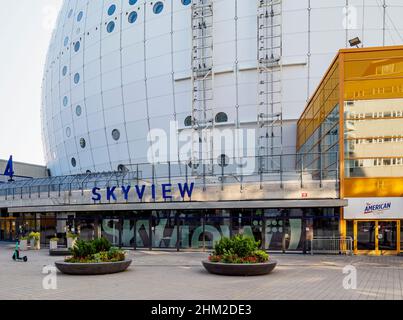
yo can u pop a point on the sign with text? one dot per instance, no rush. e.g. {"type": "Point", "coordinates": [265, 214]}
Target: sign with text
{"type": "Point", "coordinates": [374, 208]}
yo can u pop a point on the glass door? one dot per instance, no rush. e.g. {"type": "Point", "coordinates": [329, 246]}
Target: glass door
{"type": "Point", "coordinates": [377, 237]}
{"type": "Point", "coordinates": [366, 235]}
{"type": "Point", "coordinates": [387, 236]}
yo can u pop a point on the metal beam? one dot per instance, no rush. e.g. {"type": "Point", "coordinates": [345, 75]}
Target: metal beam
{"type": "Point", "coordinates": [261, 204]}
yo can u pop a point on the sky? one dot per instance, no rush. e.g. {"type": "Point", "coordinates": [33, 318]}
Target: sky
{"type": "Point", "coordinates": [26, 28]}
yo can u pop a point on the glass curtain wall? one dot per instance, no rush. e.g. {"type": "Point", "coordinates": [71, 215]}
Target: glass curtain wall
{"type": "Point", "coordinates": [318, 128]}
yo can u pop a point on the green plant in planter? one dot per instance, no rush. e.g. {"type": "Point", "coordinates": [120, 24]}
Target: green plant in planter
{"type": "Point", "coordinates": [95, 251]}
{"type": "Point", "coordinates": [35, 235]}
{"type": "Point", "coordinates": [238, 249]}
{"type": "Point", "coordinates": [71, 235]}
{"type": "Point", "coordinates": [24, 238]}
{"type": "Point", "coordinates": [54, 239]}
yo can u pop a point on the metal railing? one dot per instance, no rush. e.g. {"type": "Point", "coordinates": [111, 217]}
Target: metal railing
{"type": "Point", "coordinates": [332, 245]}
{"type": "Point", "coordinates": [228, 171]}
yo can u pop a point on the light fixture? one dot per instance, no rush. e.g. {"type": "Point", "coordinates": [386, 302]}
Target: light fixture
{"type": "Point", "coordinates": [354, 42]}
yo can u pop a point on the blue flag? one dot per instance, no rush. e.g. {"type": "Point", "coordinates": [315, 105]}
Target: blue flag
{"type": "Point", "coordinates": [9, 169]}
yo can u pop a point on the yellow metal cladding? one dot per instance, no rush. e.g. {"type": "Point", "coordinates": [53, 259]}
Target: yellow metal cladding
{"type": "Point", "coordinates": [373, 187]}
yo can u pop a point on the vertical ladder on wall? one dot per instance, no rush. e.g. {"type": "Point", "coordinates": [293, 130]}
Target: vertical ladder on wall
{"type": "Point", "coordinates": [269, 113]}
{"type": "Point", "coordinates": [202, 80]}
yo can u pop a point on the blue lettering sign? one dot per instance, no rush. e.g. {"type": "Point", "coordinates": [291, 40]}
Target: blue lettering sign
{"type": "Point", "coordinates": [96, 195]}
{"type": "Point", "coordinates": [110, 193]}
{"type": "Point", "coordinates": [186, 189]}
{"type": "Point", "coordinates": [166, 190]}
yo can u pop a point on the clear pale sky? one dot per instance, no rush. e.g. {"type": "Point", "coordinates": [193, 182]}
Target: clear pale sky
{"type": "Point", "coordinates": [26, 28]}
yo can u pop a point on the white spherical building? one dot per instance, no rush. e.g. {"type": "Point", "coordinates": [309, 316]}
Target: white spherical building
{"type": "Point", "coordinates": [118, 68]}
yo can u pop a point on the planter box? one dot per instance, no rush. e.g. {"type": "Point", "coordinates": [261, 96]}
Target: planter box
{"type": "Point", "coordinates": [245, 269]}
{"type": "Point", "coordinates": [23, 245]}
{"type": "Point", "coordinates": [36, 245]}
{"type": "Point", "coordinates": [53, 245]}
{"type": "Point", "coordinates": [71, 242]}
{"type": "Point", "coordinates": [92, 268]}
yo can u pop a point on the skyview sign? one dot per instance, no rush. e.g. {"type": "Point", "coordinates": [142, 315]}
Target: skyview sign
{"type": "Point", "coordinates": [139, 193]}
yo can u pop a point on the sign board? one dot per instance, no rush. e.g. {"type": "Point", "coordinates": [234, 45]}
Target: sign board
{"type": "Point", "coordinates": [374, 208]}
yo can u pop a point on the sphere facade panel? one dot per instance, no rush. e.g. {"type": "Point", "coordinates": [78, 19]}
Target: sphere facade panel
{"type": "Point", "coordinates": [125, 66]}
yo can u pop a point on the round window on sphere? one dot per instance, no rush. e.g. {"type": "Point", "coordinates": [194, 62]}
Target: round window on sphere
{"type": "Point", "coordinates": [65, 101]}
{"type": "Point", "coordinates": [132, 17]}
{"type": "Point", "coordinates": [223, 160]}
{"type": "Point", "coordinates": [82, 143]}
{"type": "Point", "coordinates": [186, 2]}
{"type": "Point", "coordinates": [78, 111]}
{"type": "Point", "coordinates": [73, 162]}
{"type": "Point", "coordinates": [76, 78]}
{"type": "Point", "coordinates": [66, 41]}
{"type": "Point", "coordinates": [77, 46]}
{"type": "Point", "coordinates": [116, 134]}
{"type": "Point", "coordinates": [80, 16]}
{"type": "Point", "coordinates": [221, 117]}
{"type": "Point", "coordinates": [122, 168]}
{"type": "Point", "coordinates": [112, 9]}
{"type": "Point", "coordinates": [68, 132]}
{"type": "Point", "coordinates": [188, 121]}
{"type": "Point", "coordinates": [132, 2]}
{"type": "Point", "coordinates": [70, 13]}
{"type": "Point", "coordinates": [158, 7]}
{"type": "Point", "coordinates": [110, 27]}
{"type": "Point", "coordinates": [64, 72]}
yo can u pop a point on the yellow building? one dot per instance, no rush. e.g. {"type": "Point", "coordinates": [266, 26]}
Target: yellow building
{"type": "Point", "coordinates": [356, 116]}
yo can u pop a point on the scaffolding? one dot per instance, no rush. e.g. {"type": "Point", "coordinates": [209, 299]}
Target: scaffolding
{"type": "Point", "coordinates": [202, 81]}
{"type": "Point", "coordinates": [269, 113]}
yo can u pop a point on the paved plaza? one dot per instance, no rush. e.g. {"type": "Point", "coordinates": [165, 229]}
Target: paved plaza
{"type": "Point", "coordinates": [157, 275]}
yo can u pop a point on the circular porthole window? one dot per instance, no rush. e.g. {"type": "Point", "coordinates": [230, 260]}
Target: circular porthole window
{"type": "Point", "coordinates": [111, 9]}
{"type": "Point", "coordinates": [132, 17]}
{"type": "Point", "coordinates": [223, 160]}
{"type": "Point", "coordinates": [64, 71]}
{"type": "Point", "coordinates": [158, 7]}
{"type": "Point", "coordinates": [122, 168]}
{"type": "Point", "coordinates": [186, 2]}
{"type": "Point", "coordinates": [116, 134]}
{"type": "Point", "coordinates": [188, 121]}
{"type": "Point", "coordinates": [78, 110]}
{"type": "Point", "coordinates": [70, 13]}
{"type": "Point", "coordinates": [221, 117]}
{"type": "Point", "coordinates": [82, 143]}
{"type": "Point", "coordinates": [80, 16]}
{"type": "Point", "coordinates": [76, 78]}
{"type": "Point", "coordinates": [132, 2]}
{"type": "Point", "coordinates": [68, 132]}
{"type": "Point", "coordinates": [66, 41]}
{"type": "Point", "coordinates": [77, 46]}
{"type": "Point", "coordinates": [110, 27]}
{"type": "Point", "coordinates": [65, 101]}
{"type": "Point", "coordinates": [193, 165]}
{"type": "Point", "coordinates": [73, 162]}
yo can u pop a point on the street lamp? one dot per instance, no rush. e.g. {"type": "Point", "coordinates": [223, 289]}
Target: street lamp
{"type": "Point", "coordinates": [354, 42]}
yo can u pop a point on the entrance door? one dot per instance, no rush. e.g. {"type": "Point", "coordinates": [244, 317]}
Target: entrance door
{"type": "Point", "coordinates": [379, 237]}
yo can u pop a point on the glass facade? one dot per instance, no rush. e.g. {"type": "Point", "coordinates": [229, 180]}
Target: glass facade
{"type": "Point", "coordinates": [285, 230]}
{"type": "Point", "coordinates": [318, 128]}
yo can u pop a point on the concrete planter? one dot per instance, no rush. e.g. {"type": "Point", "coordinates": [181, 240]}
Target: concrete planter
{"type": "Point", "coordinates": [71, 242]}
{"type": "Point", "coordinates": [36, 244]}
{"type": "Point", "coordinates": [23, 245]}
{"type": "Point", "coordinates": [92, 268]}
{"type": "Point", "coordinates": [53, 245]}
{"type": "Point", "coordinates": [245, 269]}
